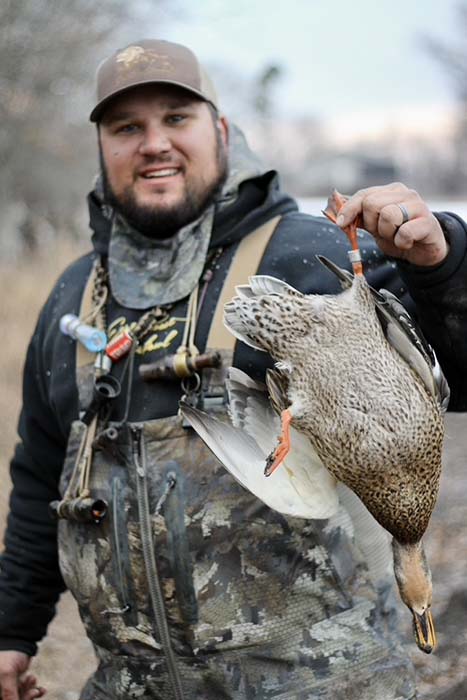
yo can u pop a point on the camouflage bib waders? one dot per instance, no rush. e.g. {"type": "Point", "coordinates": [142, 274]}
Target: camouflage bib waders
{"type": "Point", "coordinates": [193, 588]}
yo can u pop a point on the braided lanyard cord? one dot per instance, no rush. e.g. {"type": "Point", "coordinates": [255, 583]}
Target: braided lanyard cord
{"type": "Point", "coordinates": [100, 293]}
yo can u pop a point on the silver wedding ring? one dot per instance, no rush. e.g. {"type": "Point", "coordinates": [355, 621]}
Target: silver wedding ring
{"type": "Point", "coordinates": [405, 216]}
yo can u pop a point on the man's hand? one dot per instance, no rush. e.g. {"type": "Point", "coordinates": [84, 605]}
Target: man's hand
{"type": "Point", "coordinates": [400, 222]}
{"type": "Point", "coordinates": [15, 683]}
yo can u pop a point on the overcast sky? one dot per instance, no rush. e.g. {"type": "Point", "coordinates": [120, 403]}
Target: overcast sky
{"type": "Point", "coordinates": [337, 54]}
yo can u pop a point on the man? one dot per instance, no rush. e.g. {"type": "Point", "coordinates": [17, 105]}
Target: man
{"type": "Point", "coordinates": [189, 587]}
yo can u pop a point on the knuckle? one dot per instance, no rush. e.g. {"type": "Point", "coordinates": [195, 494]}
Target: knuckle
{"type": "Point", "coordinates": [398, 186]}
{"type": "Point", "coordinates": [413, 194]}
{"type": "Point", "coordinates": [371, 203]}
{"type": "Point", "coordinates": [404, 234]}
{"type": "Point", "coordinates": [386, 214]}
{"type": "Point", "coordinates": [361, 196]}
{"type": "Point", "coordinates": [361, 192]}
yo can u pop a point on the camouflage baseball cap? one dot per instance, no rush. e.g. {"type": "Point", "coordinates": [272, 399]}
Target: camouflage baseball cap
{"type": "Point", "coordinates": [150, 61]}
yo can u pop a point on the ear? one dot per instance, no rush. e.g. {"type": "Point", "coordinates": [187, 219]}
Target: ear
{"type": "Point", "coordinates": [223, 126]}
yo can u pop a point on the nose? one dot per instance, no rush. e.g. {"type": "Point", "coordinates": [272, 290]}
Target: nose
{"type": "Point", "coordinates": [155, 141]}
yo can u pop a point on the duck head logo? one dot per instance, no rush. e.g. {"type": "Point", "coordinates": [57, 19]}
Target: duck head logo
{"type": "Point", "coordinates": [139, 59]}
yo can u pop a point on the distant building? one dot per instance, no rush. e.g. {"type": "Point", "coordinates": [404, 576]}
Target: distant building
{"type": "Point", "coordinates": [345, 172]}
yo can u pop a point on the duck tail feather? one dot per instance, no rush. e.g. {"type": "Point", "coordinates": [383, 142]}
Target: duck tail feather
{"type": "Point", "coordinates": [344, 276]}
{"type": "Point", "coordinates": [292, 492]}
{"type": "Point", "coordinates": [244, 291]}
{"type": "Point", "coordinates": [237, 375]}
{"type": "Point", "coordinates": [238, 452]}
{"type": "Point", "coordinates": [235, 323]}
{"type": "Point", "coordinates": [250, 409]}
{"type": "Point", "coordinates": [265, 284]}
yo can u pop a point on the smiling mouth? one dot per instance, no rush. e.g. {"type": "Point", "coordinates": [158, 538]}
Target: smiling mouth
{"type": "Point", "coordinates": [155, 174]}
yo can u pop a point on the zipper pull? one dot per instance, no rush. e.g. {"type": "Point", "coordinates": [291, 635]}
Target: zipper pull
{"type": "Point", "coordinates": [137, 453]}
{"type": "Point", "coordinates": [170, 482]}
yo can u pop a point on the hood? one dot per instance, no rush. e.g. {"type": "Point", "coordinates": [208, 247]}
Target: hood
{"type": "Point", "coordinates": [250, 197]}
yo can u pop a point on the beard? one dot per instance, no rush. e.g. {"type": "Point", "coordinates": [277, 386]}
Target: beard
{"type": "Point", "coordinates": [161, 222]}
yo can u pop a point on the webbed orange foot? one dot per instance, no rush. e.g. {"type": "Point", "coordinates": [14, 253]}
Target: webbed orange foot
{"type": "Point", "coordinates": [335, 203]}
{"type": "Point", "coordinates": [276, 458]}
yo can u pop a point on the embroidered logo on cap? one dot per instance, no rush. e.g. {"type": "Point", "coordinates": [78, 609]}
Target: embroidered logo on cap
{"type": "Point", "coordinates": [137, 57]}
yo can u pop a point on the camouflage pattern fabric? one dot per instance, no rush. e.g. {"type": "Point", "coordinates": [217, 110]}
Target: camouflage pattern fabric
{"type": "Point", "coordinates": [258, 605]}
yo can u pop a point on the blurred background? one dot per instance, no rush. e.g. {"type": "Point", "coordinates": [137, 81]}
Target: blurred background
{"type": "Point", "coordinates": [331, 93]}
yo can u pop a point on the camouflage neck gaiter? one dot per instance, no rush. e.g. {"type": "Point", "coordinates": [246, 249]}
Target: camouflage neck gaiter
{"type": "Point", "coordinates": [145, 272]}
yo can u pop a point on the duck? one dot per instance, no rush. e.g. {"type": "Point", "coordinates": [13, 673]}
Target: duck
{"type": "Point", "coordinates": [358, 398]}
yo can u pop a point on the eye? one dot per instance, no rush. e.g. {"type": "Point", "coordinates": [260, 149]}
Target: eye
{"type": "Point", "coordinates": [176, 118]}
{"type": "Point", "coordinates": [127, 129]}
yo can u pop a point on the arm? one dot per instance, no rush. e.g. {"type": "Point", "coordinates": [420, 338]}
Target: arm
{"type": "Point", "coordinates": [30, 580]}
{"type": "Point", "coordinates": [440, 295]}
{"type": "Point", "coordinates": [431, 250]}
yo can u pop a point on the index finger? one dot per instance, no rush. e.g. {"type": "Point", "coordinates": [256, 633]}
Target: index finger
{"type": "Point", "coordinates": [353, 207]}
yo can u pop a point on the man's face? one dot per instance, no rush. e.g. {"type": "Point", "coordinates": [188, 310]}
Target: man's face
{"type": "Point", "coordinates": [164, 157]}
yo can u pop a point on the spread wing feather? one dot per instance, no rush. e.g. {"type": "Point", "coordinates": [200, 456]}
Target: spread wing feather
{"type": "Point", "coordinates": [302, 487]}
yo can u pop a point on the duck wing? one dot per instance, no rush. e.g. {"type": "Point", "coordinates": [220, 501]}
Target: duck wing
{"type": "Point", "coordinates": [303, 487]}
{"type": "Point", "coordinates": [372, 539]}
{"type": "Point", "coordinates": [407, 338]}
{"type": "Point", "coordinates": [404, 334]}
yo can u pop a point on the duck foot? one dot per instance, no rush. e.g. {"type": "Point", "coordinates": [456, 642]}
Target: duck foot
{"type": "Point", "coordinates": [335, 203]}
{"type": "Point", "coordinates": [276, 458]}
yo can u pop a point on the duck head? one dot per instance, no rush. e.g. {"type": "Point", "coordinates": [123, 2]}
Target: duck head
{"type": "Point", "coordinates": [413, 578]}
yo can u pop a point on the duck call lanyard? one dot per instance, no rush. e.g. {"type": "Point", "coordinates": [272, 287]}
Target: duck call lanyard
{"type": "Point", "coordinates": [185, 360]}
{"type": "Point", "coordinates": [77, 502]}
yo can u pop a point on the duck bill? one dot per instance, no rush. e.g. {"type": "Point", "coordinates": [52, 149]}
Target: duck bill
{"type": "Point", "coordinates": [424, 630]}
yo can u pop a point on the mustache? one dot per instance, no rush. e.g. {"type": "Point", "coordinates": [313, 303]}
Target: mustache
{"type": "Point", "coordinates": [159, 159]}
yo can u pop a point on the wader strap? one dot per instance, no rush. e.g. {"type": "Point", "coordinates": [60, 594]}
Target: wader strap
{"type": "Point", "coordinates": [83, 356]}
{"type": "Point", "coordinates": [85, 359]}
{"type": "Point", "coordinates": [246, 262]}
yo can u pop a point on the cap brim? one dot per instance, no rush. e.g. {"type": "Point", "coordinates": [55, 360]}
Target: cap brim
{"type": "Point", "coordinates": [96, 113]}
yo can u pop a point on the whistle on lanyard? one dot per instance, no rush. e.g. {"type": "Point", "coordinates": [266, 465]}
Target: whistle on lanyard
{"type": "Point", "coordinates": [179, 366]}
{"type": "Point", "coordinates": [93, 339]}
{"type": "Point", "coordinates": [80, 510]}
